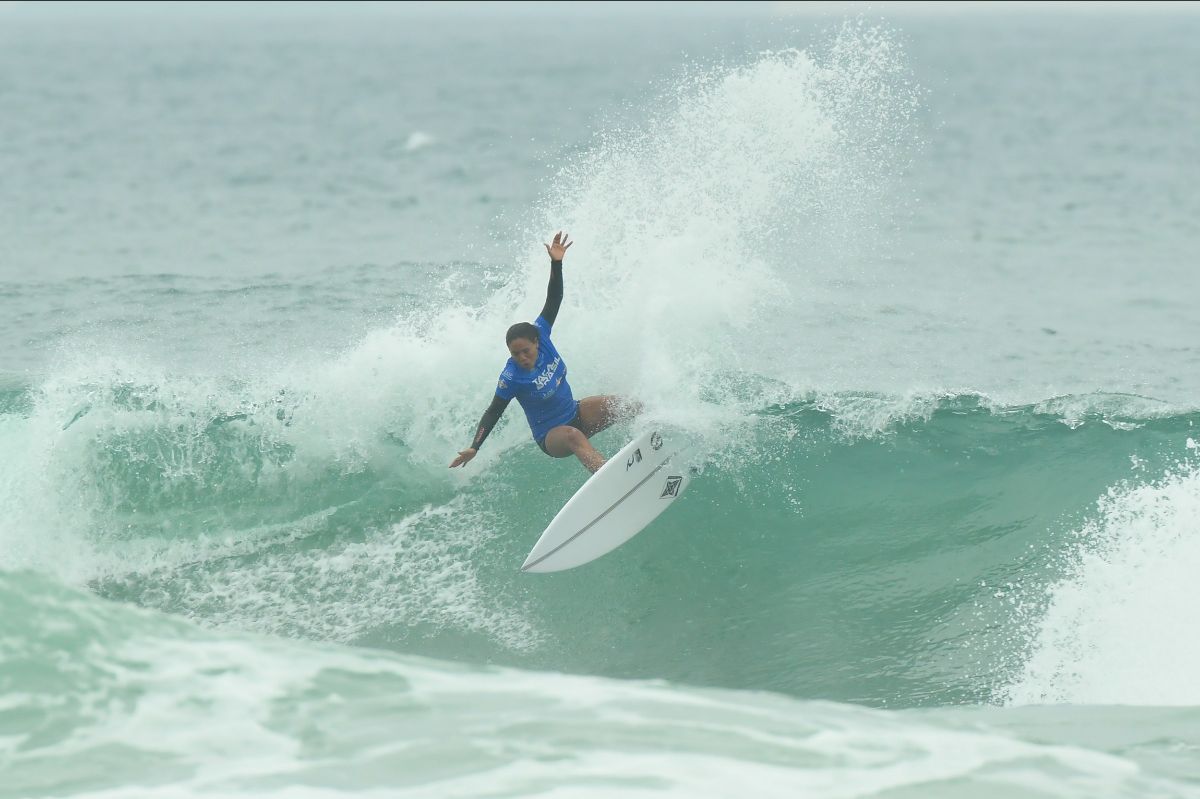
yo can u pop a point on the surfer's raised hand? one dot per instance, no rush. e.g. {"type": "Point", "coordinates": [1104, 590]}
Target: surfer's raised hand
{"type": "Point", "coordinates": [560, 246]}
{"type": "Point", "coordinates": [463, 457]}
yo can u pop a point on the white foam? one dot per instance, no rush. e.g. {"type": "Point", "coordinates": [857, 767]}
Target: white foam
{"type": "Point", "coordinates": [419, 571]}
{"type": "Point", "coordinates": [166, 710]}
{"type": "Point", "coordinates": [1119, 629]}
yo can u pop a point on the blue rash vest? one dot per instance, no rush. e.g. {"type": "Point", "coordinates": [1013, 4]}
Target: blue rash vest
{"type": "Point", "coordinates": [543, 391]}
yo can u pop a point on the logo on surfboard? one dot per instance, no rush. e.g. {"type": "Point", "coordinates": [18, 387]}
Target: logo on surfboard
{"type": "Point", "coordinates": [655, 441]}
{"type": "Point", "coordinates": [671, 489]}
{"type": "Point", "coordinates": [636, 457]}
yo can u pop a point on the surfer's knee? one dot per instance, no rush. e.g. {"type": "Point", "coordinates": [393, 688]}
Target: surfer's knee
{"type": "Point", "coordinates": [574, 438]}
{"type": "Point", "coordinates": [565, 440]}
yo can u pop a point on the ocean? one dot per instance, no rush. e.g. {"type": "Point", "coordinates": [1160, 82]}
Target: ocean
{"type": "Point", "coordinates": [918, 285]}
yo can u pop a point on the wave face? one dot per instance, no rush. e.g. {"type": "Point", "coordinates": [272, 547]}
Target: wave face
{"type": "Point", "coordinates": [848, 547]}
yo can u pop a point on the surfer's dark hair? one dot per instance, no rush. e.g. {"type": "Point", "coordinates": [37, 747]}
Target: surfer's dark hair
{"type": "Point", "coordinates": [522, 330]}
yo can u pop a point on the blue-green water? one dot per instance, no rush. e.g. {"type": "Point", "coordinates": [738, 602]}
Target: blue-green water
{"type": "Point", "coordinates": [921, 292]}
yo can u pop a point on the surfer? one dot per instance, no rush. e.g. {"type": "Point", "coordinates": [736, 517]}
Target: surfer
{"type": "Point", "coordinates": [537, 376]}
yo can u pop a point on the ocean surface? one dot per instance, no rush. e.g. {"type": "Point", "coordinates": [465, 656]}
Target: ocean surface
{"type": "Point", "coordinates": [922, 290]}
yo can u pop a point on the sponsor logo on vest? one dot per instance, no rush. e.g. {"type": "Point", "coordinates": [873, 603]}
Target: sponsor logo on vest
{"type": "Point", "coordinates": [541, 380]}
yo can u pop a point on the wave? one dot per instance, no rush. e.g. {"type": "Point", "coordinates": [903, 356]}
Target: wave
{"type": "Point", "coordinates": [849, 546]}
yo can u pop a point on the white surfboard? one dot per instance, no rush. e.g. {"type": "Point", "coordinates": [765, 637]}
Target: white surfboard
{"type": "Point", "coordinates": [614, 505]}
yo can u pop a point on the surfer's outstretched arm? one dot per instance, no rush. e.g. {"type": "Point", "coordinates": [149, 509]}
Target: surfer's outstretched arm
{"type": "Point", "coordinates": [490, 417]}
{"type": "Point", "coordinates": [554, 291]}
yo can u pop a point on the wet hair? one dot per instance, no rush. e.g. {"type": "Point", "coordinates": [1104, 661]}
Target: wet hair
{"type": "Point", "coordinates": [522, 330]}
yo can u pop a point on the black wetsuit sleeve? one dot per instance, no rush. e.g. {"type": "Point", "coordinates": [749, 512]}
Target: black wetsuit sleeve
{"type": "Point", "coordinates": [490, 417]}
{"type": "Point", "coordinates": [554, 293]}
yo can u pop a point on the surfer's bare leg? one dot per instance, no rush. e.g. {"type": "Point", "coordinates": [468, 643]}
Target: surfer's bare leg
{"type": "Point", "coordinates": [597, 413]}
{"type": "Point", "coordinates": [565, 440]}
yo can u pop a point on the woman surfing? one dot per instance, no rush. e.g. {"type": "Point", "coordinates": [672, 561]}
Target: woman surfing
{"type": "Point", "coordinates": [536, 376]}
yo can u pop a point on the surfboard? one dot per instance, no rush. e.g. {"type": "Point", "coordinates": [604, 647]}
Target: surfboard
{"type": "Point", "coordinates": [615, 504]}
